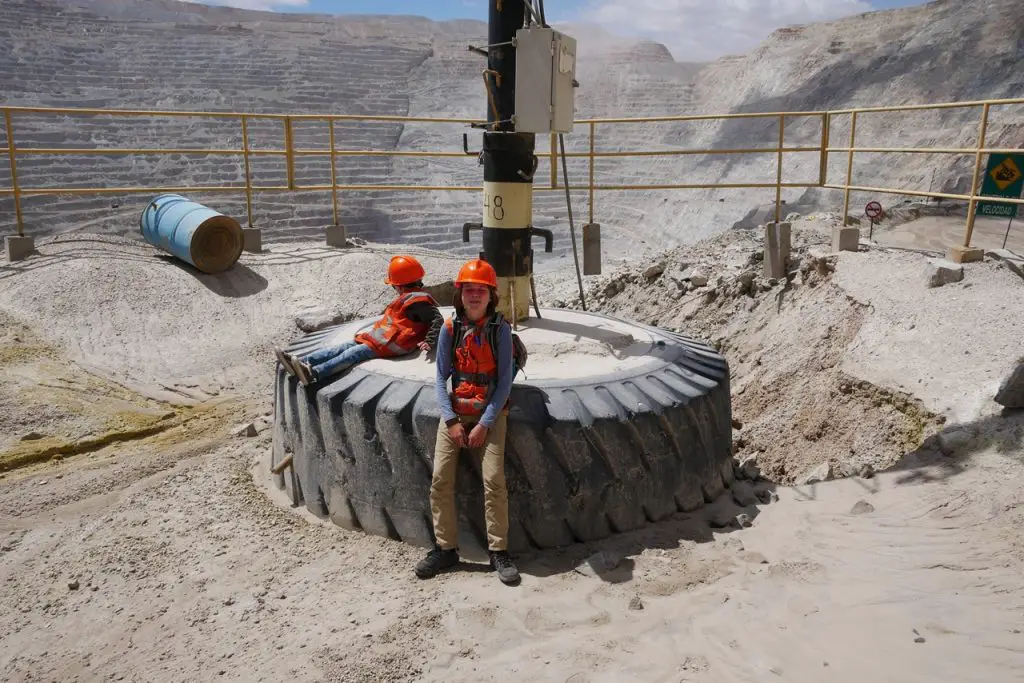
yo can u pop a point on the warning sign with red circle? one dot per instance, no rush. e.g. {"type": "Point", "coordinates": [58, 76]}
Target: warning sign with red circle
{"type": "Point", "coordinates": [873, 210]}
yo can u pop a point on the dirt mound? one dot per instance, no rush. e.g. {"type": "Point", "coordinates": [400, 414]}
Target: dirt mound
{"type": "Point", "coordinates": [802, 348]}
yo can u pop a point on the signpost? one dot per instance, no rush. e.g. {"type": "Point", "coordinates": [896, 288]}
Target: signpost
{"type": "Point", "coordinates": [873, 210]}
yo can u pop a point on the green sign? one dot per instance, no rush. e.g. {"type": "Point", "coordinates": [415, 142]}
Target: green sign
{"type": "Point", "coordinates": [1004, 177]}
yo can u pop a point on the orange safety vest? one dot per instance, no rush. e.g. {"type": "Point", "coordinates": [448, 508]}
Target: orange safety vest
{"type": "Point", "coordinates": [474, 369]}
{"type": "Point", "coordinates": [395, 334]}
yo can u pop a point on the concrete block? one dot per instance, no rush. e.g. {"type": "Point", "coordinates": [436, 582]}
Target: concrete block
{"type": "Point", "coordinates": [845, 239]}
{"type": "Point", "coordinates": [1013, 261]}
{"type": "Point", "coordinates": [961, 254]}
{"type": "Point", "coordinates": [337, 236]}
{"type": "Point", "coordinates": [592, 249]}
{"type": "Point", "coordinates": [18, 248]}
{"type": "Point", "coordinates": [252, 240]}
{"type": "Point", "coordinates": [777, 245]}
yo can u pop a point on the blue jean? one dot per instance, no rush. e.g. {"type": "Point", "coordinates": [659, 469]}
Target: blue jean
{"type": "Point", "coordinates": [332, 359]}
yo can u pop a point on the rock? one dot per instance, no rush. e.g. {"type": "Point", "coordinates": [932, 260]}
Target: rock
{"type": "Point", "coordinates": [611, 289]}
{"type": "Point", "coordinates": [919, 639]}
{"type": "Point", "coordinates": [733, 543]}
{"type": "Point", "coordinates": [745, 281]}
{"type": "Point", "coordinates": [229, 601]}
{"type": "Point", "coordinates": [746, 468]}
{"type": "Point", "coordinates": [698, 280]}
{"type": "Point", "coordinates": [32, 436]}
{"type": "Point", "coordinates": [766, 496]}
{"type": "Point", "coordinates": [314, 319]}
{"type": "Point", "coordinates": [753, 557]}
{"type": "Point", "coordinates": [822, 472]}
{"type": "Point", "coordinates": [866, 472]}
{"type": "Point", "coordinates": [954, 440]}
{"type": "Point", "coordinates": [1011, 391]}
{"type": "Point", "coordinates": [248, 430]}
{"type": "Point", "coordinates": [942, 272]}
{"type": "Point", "coordinates": [862, 507]}
{"type": "Point", "coordinates": [751, 470]}
{"type": "Point", "coordinates": [721, 519]}
{"type": "Point", "coordinates": [654, 272]}
{"type": "Point", "coordinates": [636, 603]}
{"type": "Point", "coordinates": [598, 563]}
{"type": "Point", "coordinates": [744, 520]}
{"type": "Point", "coordinates": [73, 584]}
{"type": "Point", "coordinates": [743, 494]}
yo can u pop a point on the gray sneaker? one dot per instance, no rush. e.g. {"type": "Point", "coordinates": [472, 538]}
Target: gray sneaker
{"type": "Point", "coordinates": [503, 564]}
{"type": "Point", "coordinates": [285, 360]}
{"type": "Point", "coordinates": [303, 371]}
{"type": "Point", "coordinates": [436, 561]}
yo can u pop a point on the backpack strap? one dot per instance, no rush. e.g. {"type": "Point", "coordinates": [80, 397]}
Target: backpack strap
{"type": "Point", "coordinates": [455, 325]}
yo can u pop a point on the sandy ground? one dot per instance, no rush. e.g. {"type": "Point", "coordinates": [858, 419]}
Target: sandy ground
{"type": "Point", "coordinates": [166, 557]}
{"type": "Point", "coordinates": [937, 233]}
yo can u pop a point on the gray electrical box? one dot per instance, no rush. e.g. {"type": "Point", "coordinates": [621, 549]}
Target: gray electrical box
{"type": "Point", "coordinates": [545, 72]}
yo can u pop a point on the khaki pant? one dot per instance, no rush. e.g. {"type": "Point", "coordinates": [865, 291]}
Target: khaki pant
{"type": "Point", "coordinates": [442, 487]}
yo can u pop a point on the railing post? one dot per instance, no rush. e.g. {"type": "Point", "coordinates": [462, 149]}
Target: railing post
{"type": "Point", "coordinates": [972, 207]}
{"type": "Point", "coordinates": [778, 169]}
{"type": "Point", "coordinates": [826, 124]}
{"type": "Point", "coordinates": [553, 146]}
{"type": "Point", "coordinates": [289, 148]}
{"type": "Point", "coordinates": [14, 172]}
{"type": "Point", "coordinates": [849, 167]}
{"type": "Point", "coordinates": [334, 174]}
{"type": "Point", "coordinates": [245, 156]}
{"type": "Point", "coordinates": [590, 198]}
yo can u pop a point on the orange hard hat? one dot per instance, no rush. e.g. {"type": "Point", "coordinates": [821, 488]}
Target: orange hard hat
{"type": "Point", "coordinates": [404, 270]}
{"type": "Point", "coordinates": [479, 272]}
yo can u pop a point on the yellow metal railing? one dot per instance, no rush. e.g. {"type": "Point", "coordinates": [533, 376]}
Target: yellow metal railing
{"type": "Point", "coordinates": [290, 153]}
{"type": "Point", "coordinates": [978, 151]}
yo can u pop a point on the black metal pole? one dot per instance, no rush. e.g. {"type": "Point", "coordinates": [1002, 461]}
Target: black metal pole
{"type": "Point", "coordinates": [509, 164]}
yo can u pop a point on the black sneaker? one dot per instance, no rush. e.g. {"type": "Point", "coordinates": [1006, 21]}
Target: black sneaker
{"type": "Point", "coordinates": [435, 561]}
{"type": "Point", "coordinates": [503, 564]}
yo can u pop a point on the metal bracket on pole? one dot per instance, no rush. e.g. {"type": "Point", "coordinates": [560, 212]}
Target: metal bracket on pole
{"type": "Point", "coordinates": [549, 237]}
{"type": "Point", "coordinates": [466, 227]}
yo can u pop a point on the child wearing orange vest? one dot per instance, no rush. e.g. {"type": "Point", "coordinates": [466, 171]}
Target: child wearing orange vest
{"type": "Point", "coordinates": [412, 320]}
{"type": "Point", "coordinates": [473, 416]}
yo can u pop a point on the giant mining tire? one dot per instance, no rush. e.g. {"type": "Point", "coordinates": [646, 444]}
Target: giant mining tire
{"type": "Point", "coordinates": [614, 426]}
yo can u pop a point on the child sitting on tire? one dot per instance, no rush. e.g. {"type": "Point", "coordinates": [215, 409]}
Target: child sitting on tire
{"type": "Point", "coordinates": [411, 321]}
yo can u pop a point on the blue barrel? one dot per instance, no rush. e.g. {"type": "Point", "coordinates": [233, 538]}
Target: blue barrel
{"type": "Point", "coordinates": [196, 234]}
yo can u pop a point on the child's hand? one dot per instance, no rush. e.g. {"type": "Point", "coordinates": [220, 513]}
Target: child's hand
{"type": "Point", "coordinates": [477, 436]}
{"type": "Point", "coordinates": [423, 346]}
{"type": "Point", "coordinates": [458, 434]}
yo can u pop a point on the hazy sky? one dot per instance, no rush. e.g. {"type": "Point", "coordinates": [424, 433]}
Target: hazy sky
{"type": "Point", "coordinates": [692, 29]}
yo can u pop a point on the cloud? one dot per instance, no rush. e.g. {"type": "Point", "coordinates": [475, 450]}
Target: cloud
{"type": "Point", "coordinates": [701, 30]}
{"type": "Point", "coordinates": [258, 4]}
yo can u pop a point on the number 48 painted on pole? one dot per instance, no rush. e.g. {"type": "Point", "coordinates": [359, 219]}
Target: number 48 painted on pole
{"type": "Point", "coordinates": [495, 209]}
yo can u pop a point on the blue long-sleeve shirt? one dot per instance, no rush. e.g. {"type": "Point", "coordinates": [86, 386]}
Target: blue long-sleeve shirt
{"type": "Point", "coordinates": [444, 372]}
